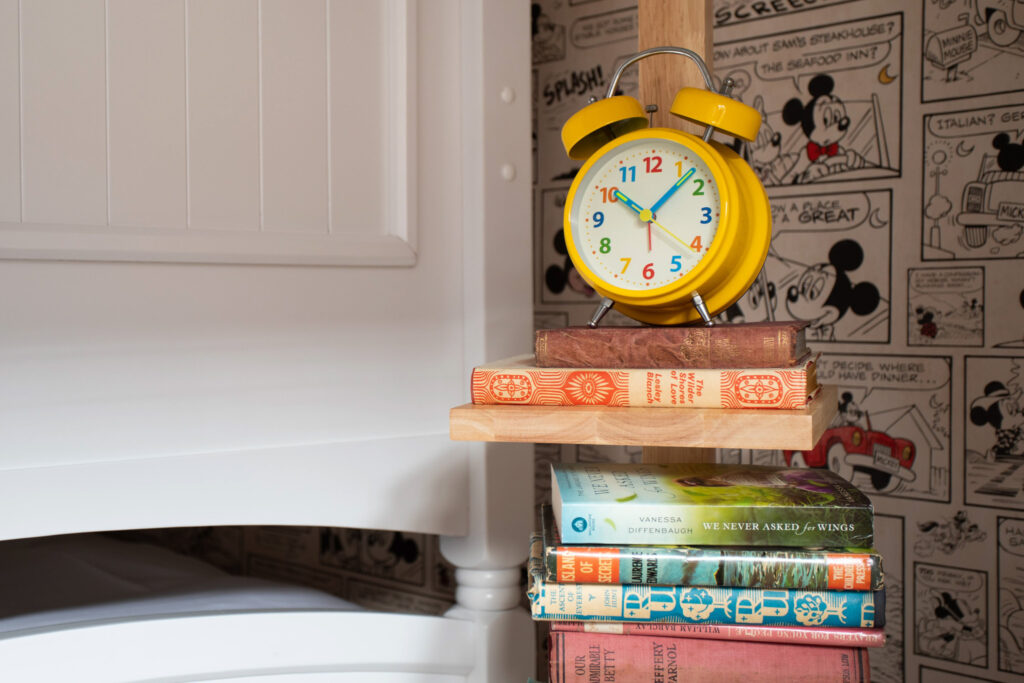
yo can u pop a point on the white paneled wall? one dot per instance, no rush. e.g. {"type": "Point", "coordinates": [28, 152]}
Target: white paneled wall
{"type": "Point", "coordinates": [244, 131]}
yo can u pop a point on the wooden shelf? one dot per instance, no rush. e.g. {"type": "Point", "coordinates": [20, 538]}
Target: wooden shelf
{"type": "Point", "coordinates": [675, 427]}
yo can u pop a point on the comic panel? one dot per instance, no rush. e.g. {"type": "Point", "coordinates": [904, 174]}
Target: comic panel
{"type": "Point", "coordinates": [973, 184]}
{"type": "Point", "coordinates": [887, 663]}
{"type": "Point", "coordinates": [731, 12]}
{"type": "Point", "coordinates": [1006, 331]}
{"type": "Point", "coordinates": [930, 675]}
{"type": "Point", "coordinates": [994, 432]}
{"type": "Point", "coordinates": [891, 436]}
{"type": "Point", "coordinates": [945, 306]}
{"type": "Point", "coordinates": [971, 48]}
{"type": "Point", "coordinates": [559, 283]}
{"type": "Point", "coordinates": [829, 96]}
{"type": "Point", "coordinates": [388, 554]}
{"type": "Point", "coordinates": [829, 264]}
{"type": "Point", "coordinates": [574, 58]}
{"type": "Point", "coordinates": [1010, 567]}
{"type": "Point", "coordinates": [948, 536]}
{"type": "Point", "coordinates": [950, 614]}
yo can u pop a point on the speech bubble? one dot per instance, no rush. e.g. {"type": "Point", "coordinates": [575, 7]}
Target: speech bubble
{"type": "Point", "coordinates": [600, 29]}
{"type": "Point", "coordinates": [905, 373]}
{"type": "Point", "coordinates": [828, 49]}
{"type": "Point", "coordinates": [1011, 536]}
{"type": "Point", "coordinates": [820, 213]}
{"type": "Point", "coordinates": [963, 124]}
{"type": "Point", "coordinates": [946, 280]}
{"type": "Point", "coordinates": [949, 578]}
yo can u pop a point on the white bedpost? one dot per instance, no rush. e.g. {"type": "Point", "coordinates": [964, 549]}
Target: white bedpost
{"type": "Point", "coordinates": [497, 268]}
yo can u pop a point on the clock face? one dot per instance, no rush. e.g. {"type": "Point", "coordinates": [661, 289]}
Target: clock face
{"type": "Point", "coordinates": [645, 214]}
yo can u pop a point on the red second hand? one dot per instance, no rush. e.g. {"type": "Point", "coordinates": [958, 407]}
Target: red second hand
{"type": "Point", "coordinates": [648, 236]}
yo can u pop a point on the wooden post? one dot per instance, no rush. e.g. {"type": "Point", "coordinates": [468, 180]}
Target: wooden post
{"type": "Point", "coordinates": [680, 23]}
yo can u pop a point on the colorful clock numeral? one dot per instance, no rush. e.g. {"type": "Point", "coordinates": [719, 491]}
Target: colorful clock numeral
{"type": "Point", "coordinates": [699, 190]}
{"type": "Point", "coordinates": [606, 245]}
{"type": "Point", "coordinates": [598, 219]}
{"type": "Point", "coordinates": [696, 244]}
{"type": "Point", "coordinates": [608, 194]}
{"type": "Point", "coordinates": [677, 264]}
{"type": "Point", "coordinates": [648, 271]}
{"type": "Point", "coordinates": [705, 215]}
{"type": "Point", "coordinates": [653, 164]}
{"type": "Point", "coordinates": [628, 261]}
{"type": "Point", "coordinates": [628, 173]}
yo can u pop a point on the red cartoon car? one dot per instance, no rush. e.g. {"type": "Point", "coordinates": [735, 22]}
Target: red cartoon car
{"type": "Point", "coordinates": [848, 449]}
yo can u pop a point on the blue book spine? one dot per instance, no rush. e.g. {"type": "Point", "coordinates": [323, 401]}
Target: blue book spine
{"type": "Point", "coordinates": [698, 605]}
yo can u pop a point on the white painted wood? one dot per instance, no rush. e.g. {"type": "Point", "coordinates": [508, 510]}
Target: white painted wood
{"type": "Point", "coordinates": [64, 112]}
{"type": "Point", "coordinates": [224, 646]}
{"type": "Point", "coordinates": [293, 67]}
{"type": "Point", "coordinates": [10, 112]}
{"type": "Point", "coordinates": [223, 115]}
{"type": "Point", "coordinates": [338, 484]}
{"type": "Point", "coordinates": [143, 394]}
{"type": "Point", "coordinates": [222, 122]}
{"type": "Point", "coordinates": [146, 113]}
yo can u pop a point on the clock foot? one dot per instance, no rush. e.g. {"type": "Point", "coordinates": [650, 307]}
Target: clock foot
{"type": "Point", "coordinates": [602, 308]}
{"type": "Point", "coordinates": [699, 304]}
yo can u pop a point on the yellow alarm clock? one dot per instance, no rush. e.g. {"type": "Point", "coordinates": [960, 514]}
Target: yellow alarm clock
{"type": "Point", "coordinates": [666, 226]}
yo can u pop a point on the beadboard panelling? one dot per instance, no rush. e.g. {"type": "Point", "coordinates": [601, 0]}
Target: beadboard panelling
{"type": "Point", "coordinates": [223, 115]}
{"type": "Point", "coordinates": [237, 131]}
{"type": "Point", "coordinates": [146, 108]}
{"type": "Point", "coordinates": [64, 112]}
{"type": "Point", "coordinates": [10, 116]}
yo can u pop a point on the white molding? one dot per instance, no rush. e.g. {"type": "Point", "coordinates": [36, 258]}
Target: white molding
{"type": "Point", "coordinates": [394, 244]}
{"type": "Point", "coordinates": [275, 486]}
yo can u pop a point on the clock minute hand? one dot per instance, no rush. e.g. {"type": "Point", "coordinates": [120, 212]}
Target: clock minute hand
{"type": "Point", "coordinates": [672, 190]}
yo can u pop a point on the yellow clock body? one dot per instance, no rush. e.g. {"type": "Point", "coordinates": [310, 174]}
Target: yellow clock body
{"type": "Point", "coordinates": [658, 215]}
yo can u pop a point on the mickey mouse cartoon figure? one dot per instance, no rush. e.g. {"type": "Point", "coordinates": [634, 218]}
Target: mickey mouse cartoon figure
{"type": "Point", "coordinates": [1011, 154]}
{"type": "Point", "coordinates": [1002, 410]}
{"type": "Point", "coordinates": [825, 122]}
{"type": "Point", "coordinates": [824, 293]}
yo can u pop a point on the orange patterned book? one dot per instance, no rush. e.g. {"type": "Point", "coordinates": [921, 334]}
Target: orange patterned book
{"type": "Point", "coordinates": [779, 344]}
{"type": "Point", "coordinates": [518, 381]}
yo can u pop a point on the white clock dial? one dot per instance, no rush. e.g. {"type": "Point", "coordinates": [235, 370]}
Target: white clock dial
{"type": "Point", "coordinates": [646, 214]}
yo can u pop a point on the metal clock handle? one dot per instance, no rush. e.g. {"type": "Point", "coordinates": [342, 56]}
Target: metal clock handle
{"type": "Point", "coordinates": [727, 84]}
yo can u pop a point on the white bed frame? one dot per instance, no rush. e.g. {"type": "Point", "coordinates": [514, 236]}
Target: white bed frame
{"type": "Point", "coordinates": [478, 497]}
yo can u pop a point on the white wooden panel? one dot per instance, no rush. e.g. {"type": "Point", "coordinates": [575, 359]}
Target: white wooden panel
{"type": "Point", "coordinates": [10, 112]}
{"type": "Point", "coordinates": [146, 66]}
{"type": "Point", "coordinates": [64, 144]}
{"type": "Point", "coordinates": [223, 88]}
{"type": "Point", "coordinates": [294, 114]}
{"type": "Point", "coordinates": [360, 166]}
{"type": "Point", "coordinates": [368, 645]}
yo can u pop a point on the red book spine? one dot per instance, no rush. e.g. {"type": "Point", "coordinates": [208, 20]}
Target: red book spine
{"type": "Point", "coordinates": [797, 635]}
{"type": "Point", "coordinates": [585, 657]}
{"type": "Point", "coordinates": [743, 345]}
{"type": "Point", "coordinates": [519, 382]}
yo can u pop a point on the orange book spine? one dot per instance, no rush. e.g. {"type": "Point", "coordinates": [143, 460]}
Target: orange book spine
{"type": "Point", "coordinates": [521, 383]}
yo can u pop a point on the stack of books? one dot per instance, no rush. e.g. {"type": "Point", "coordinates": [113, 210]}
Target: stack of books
{"type": "Point", "coordinates": [704, 572]}
{"type": "Point", "coordinates": [747, 365]}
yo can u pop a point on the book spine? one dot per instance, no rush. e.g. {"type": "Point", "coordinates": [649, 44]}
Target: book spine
{"type": "Point", "coordinates": [779, 388]}
{"type": "Point", "coordinates": [683, 604]}
{"type": "Point", "coordinates": [612, 523]}
{"type": "Point", "coordinates": [797, 635]}
{"type": "Point", "coordinates": [585, 657]}
{"type": "Point", "coordinates": [707, 566]}
{"type": "Point", "coordinates": [719, 346]}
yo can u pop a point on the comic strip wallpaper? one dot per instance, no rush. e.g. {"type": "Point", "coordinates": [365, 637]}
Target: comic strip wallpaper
{"type": "Point", "coordinates": [892, 150]}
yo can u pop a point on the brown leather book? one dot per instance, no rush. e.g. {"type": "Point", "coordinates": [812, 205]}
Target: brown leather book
{"type": "Point", "coordinates": [779, 344]}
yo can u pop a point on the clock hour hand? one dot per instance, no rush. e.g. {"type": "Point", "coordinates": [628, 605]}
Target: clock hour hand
{"type": "Point", "coordinates": [672, 190]}
{"type": "Point", "coordinates": [647, 216]}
